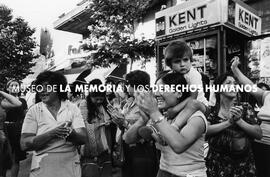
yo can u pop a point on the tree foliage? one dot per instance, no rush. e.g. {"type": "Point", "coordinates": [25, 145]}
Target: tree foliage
{"type": "Point", "coordinates": [112, 32]}
{"type": "Point", "coordinates": [16, 47]}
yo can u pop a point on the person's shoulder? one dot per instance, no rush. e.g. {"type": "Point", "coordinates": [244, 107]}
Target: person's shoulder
{"type": "Point", "coordinates": [198, 114]}
{"type": "Point", "coordinates": [70, 104]}
{"type": "Point", "coordinates": [35, 107]}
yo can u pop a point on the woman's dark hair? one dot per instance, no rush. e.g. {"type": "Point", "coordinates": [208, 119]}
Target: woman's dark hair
{"type": "Point", "coordinates": [175, 79]}
{"type": "Point", "coordinates": [37, 98]}
{"type": "Point", "coordinates": [91, 107]}
{"type": "Point", "coordinates": [137, 78]}
{"type": "Point", "coordinates": [74, 86]}
{"type": "Point", "coordinates": [120, 82]}
{"type": "Point", "coordinates": [219, 81]}
{"type": "Point", "coordinates": [261, 85]}
{"type": "Point", "coordinates": [54, 79]}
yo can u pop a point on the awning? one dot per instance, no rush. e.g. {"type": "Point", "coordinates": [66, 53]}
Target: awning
{"type": "Point", "coordinates": [71, 77]}
{"type": "Point", "coordinates": [100, 73]}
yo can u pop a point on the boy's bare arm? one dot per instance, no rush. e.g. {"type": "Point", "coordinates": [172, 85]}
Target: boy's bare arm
{"type": "Point", "coordinates": [172, 112]}
{"type": "Point", "coordinates": [194, 95]}
{"type": "Point", "coordinates": [190, 108]}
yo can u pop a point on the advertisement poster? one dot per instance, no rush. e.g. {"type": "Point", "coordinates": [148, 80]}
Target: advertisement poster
{"type": "Point", "coordinates": [265, 58]}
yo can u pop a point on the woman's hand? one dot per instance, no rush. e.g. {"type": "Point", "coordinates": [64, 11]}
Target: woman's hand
{"type": "Point", "coordinates": [147, 102]}
{"type": "Point", "coordinates": [145, 117]}
{"type": "Point", "coordinates": [235, 62]}
{"type": "Point", "coordinates": [236, 113]}
{"type": "Point", "coordinates": [114, 112]}
{"type": "Point", "coordinates": [62, 131]}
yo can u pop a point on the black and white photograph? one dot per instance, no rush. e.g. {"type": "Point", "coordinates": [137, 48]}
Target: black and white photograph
{"type": "Point", "coordinates": [144, 88]}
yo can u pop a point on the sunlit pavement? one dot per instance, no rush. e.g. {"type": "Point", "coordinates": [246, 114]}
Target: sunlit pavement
{"type": "Point", "coordinates": [26, 164]}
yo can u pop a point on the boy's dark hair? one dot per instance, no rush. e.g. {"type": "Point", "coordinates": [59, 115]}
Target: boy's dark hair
{"type": "Point", "coordinates": [179, 48]}
{"type": "Point", "coordinates": [176, 79]}
{"type": "Point", "coordinates": [53, 78]}
{"type": "Point", "coordinates": [138, 77]}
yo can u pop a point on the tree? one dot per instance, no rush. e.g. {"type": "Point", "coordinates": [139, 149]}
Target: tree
{"type": "Point", "coordinates": [112, 32]}
{"type": "Point", "coordinates": [16, 47]}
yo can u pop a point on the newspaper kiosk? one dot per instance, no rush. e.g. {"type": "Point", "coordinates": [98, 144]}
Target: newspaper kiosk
{"type": "Point", "coordinates": [216, 30]}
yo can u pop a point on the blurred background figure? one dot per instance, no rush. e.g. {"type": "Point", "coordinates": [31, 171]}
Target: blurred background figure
{"type": "Point", "coordinates": [13, 123]}
{"type": "Point", "coordinates": [261, 148]}
{"type": "Point", "coordinates": [76, 96]}
{"type": "Point", "coordinates": [141, 157]}
{"type": "Point", "coordinates": [6, 102]}
{"type": "Point", "coordinates": [96, 154]}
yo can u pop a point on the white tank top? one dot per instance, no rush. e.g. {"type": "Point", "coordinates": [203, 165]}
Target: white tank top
{"type": "Point", "coordinates": [192, 160]}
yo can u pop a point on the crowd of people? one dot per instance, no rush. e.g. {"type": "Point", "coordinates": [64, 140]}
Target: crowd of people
{"type": "Point", "coordinates": [142, 133]}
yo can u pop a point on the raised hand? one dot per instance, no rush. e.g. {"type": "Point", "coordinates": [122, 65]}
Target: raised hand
{"type": "Point", "coordinates": [235, 62]}
{"type": "Point", "coordinates": [147, 102]}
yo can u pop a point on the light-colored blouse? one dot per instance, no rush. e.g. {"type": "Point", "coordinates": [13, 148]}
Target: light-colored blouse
{"type": "Point", "coordinates": [39, 120]}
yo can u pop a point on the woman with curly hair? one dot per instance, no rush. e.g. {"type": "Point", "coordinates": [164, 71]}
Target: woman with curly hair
{"type": "Point", "coordinates": [230, 134]}
{"type": "Point", "coordinates": [53, 128]}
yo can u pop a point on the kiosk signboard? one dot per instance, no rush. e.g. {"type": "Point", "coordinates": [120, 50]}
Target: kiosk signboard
{"type": "Point", "coordinates": [201, 13]}
{"type": "Point", "coordinates": [247, 21]}
{"type": "Point", "coordinates": [187, 16]}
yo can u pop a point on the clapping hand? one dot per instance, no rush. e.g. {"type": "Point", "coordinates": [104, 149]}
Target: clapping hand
{"type": "Point", "coordinates": [117, 117]}
{"type": "Point", "coordinates": [147, 102]}
{"type": "Point", "coordinates": [62, 131]}
{"type": "Point", "coordinates": [236, 113]}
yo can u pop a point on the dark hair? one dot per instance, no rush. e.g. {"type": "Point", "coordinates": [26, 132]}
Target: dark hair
{"type": "Point", "coordinates": [73, 89]}
{"type": "Point", "coordinates": [8, 84]}
{"type": "Point", "coordinates": [91, 107]}
{"type": "Point", "coordinates": [12, 80]}
{"type": "Point", "coordinates": [175, 79]}
{"type": "Point", "coordinates": [37, 98]}
{"type": "Point", "coordinates": [138, 77]}
{"type": "Point", "coordinates": [54, 79]}
{"type": "Point", "coordinates": [219, 81]}
{"type": "Point", "coordinates": [179, 48]}
{"type": "Point", "coordinates": [161, 74]}
{"type": "Point", "coordinates": [124, 82]}
{"type": "Point", "coordinates": [261, 84]}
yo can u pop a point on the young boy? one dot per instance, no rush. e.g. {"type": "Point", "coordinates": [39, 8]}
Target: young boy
{"type": "Point", "coordinates": [178, 56]}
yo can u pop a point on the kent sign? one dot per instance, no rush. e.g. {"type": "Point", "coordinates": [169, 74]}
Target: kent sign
{"type": "Point", "coordinates": [247, 21]}
{"type": "Point", "coordinates": [187, 16]}
{"type": "Point", "coordinates": [196, 14]}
